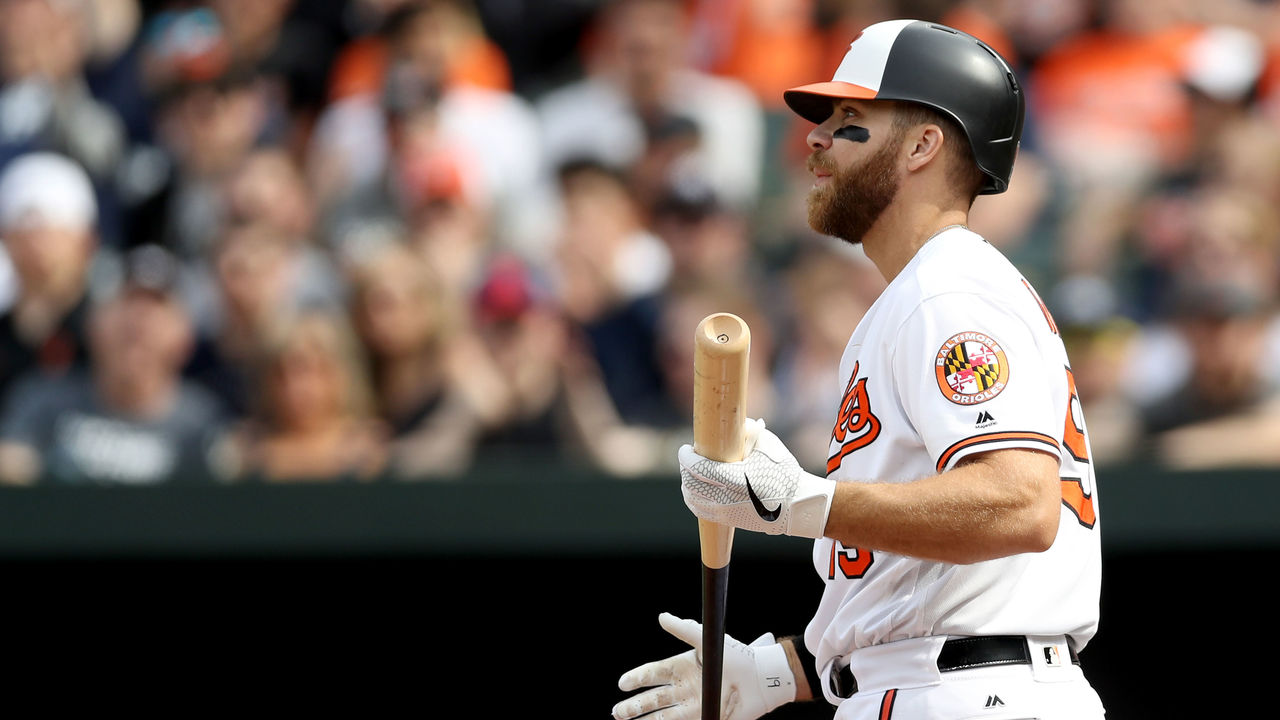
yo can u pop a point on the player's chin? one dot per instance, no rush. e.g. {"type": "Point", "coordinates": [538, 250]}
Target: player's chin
{"type": "Point", "coordinates": [818, 206]}
{"type": "Point", "coordinates": [820, 219]}
{"type": "Point", "coordinates": [819, 194]}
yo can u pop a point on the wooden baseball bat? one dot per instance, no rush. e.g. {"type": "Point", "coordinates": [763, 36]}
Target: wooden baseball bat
{"type": "Point", "coordinates": [722, 345]}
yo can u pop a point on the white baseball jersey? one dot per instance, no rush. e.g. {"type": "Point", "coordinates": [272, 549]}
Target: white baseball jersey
{"type": "Point", "coordinates": [958, 355]}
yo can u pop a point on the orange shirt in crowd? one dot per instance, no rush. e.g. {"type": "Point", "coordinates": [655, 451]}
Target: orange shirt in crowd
{"type": "Point", "coordinates": [1269, 82]}
{"type": "Point", "coordinates": [980, 25]}
{"type": "Point", "coordinates": [360, 66]}
{"type": "Point", "coordinates": [1104, 90]}
{"type": "Point", "coordinates": [766, 44]}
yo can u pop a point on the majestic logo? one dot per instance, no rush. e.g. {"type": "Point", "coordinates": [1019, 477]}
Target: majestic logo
{"type": "Point", "coordinates": [765, 513]}
{"type": "Point", "coordinates": [971, 368]}
{"type": "Point", "coordinates": [985, 419]}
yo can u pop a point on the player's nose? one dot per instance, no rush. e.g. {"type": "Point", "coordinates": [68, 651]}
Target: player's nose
{"type": "Point", "coordinates": [819, 137]}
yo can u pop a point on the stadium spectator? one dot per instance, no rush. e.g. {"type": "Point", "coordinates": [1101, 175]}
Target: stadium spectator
{"type": "Point", "coordinates": [446, 218]}
{"type": "Point", "coordinates": [640, 72]}
{"type": "Point", "coordinates": [208, 115]}
{"type": "Point", "coordinates": [709, 240]}
{"type": "Point", "coordinates": [260, 278]}
{"type": "Point", "coordinates": [111, 45]}
{"type": "Point", "coordinates": [353, 153]}
{"type": "Point", "coordinates": [48, 106]}
{"type": "Point", "coordinates": [826, 289]}
{"type": "Point", "coordinates": [1225, 409]}
{"type": "Point", "coordinates": [640, 446]}
{"type": "Point", "coordinates": [470, 56]}
{"type": "Point", "coordinates": [313, 418]}
{"type": "Point", "coordinates": [672, 145]}
{"type": "Point", "coordinates": [48, 226]}
{"type": "Point", "coordinates": [560, 237]}
{"type": "Point", "coordinates": [131, 419]}
{"type": "Point", "coordinates": [268, 186]}
{"type": "Point", "coordinates": [765, 45]}
{"type": "Point", "coordinates": [609, 277]}
{"type": "Point", "coordinates": [1223, 324]}
{"type": "Point", "coordinates": [529, 339]}
{"type": "Point", "coordinates": [434, 383]}
{"type": "Point", "coordinates": [291, 45]}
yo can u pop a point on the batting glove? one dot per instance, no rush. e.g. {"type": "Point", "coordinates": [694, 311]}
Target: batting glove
{"type": "Point", "coordinates": [766, 492]}
{"type": "Point", "coordinates": [757, 678]}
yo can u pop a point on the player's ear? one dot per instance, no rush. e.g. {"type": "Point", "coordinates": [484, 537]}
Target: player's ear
{"type": "Point", "coordinates": [924, 145]}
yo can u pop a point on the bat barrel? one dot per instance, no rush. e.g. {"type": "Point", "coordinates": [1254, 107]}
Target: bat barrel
{"type": "Point", "coordinates": [722, 345]}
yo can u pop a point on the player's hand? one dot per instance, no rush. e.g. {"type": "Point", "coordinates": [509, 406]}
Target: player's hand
{"type": "Point", "coordinates": [757, 679]}
{"type": "Point", "coordinates": [766, 492]}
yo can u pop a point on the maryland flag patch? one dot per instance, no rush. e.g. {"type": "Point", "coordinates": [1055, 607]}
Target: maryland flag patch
{"type": "Point", "coordinates": [971, 368]}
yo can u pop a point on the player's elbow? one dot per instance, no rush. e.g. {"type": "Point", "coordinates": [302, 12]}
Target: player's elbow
{"type": "Point", "coordinates": [1031, 499]}
{"type": "Point", "coordinates": [1038, 528]}
{"type": "Point", "coordinates": [1029, 525]}
{"type": "Point", "coordinates": [1042, 534]}
{"type": "Point", "coordinates": [1023, 536]}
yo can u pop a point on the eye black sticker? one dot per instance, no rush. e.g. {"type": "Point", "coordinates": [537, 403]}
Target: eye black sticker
{"type": "Point", "coordinates": [856, 133]}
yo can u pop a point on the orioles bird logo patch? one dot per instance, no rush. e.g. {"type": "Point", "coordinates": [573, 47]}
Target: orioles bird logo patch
{"type": "Point", "coordinates": [971, 368]}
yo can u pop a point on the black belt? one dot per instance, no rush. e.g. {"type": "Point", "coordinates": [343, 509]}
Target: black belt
{"type": "Point", "coordinates": [959, 653]}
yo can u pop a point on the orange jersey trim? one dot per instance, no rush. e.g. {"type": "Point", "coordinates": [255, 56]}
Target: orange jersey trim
{"type": "Point", "coordinates": [995, 438]}
{"type": "Point", "coordinates": [886, 705]}
{"type": "Point", "coordinates": [1048, 316]}
{"type": "Point", "coordinates": [1079, 502]}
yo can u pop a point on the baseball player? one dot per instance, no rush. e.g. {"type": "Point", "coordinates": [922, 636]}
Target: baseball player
{"type": "Point", "coordinates": [956, 529]}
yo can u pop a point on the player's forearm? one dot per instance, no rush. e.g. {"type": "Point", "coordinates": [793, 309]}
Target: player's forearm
{"type": "Point", "coordinates": [994, 506]}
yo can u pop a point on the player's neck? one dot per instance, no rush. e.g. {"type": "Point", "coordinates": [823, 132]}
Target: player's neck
{"type": "Point", "coordinates": [900, 233]}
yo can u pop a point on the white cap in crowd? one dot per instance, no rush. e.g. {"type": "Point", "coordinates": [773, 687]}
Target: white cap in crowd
{"type": "Point", "coordinates": [45, 189]}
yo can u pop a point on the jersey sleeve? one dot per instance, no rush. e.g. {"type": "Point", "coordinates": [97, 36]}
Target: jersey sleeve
{"type": "Point", "coordinates": [972, 378]}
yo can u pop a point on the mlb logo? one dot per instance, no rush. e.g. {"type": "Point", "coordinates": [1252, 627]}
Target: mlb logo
{"type": "Point", "coordinates": [1052, 657]}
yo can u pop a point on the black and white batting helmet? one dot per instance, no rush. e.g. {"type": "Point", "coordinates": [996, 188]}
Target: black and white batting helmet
{"type": "Point", "coordinates": [941, 67]}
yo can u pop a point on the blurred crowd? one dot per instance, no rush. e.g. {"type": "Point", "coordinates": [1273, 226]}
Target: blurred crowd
{"type": "Point", "coordinates": [328, 240]}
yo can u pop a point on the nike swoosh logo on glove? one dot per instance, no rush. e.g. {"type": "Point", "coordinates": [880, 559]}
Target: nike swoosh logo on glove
{"type": "Point", "coordinates": [765, 513]}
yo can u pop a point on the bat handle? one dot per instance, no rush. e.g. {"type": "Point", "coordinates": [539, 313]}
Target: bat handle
{"type": "Point", "coordinates": [717, 544]}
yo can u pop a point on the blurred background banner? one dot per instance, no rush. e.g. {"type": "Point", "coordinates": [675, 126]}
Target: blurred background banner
{"type": "Point", "coordinates": [378, 315]}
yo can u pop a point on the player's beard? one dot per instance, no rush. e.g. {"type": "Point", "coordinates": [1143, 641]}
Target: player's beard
{"type": "Point", "coordinates": [855, 198]}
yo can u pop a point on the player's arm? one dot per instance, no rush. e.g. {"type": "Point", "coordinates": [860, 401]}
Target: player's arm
{"type": "Point", "coordinates": [990, 505]}
{"type": "Point", "coordinates": [997, 490]}
{"type": "Point", "coordinates": [999, 500]}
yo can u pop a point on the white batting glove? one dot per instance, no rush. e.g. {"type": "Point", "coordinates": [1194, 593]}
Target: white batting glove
{"type": "Point", "coordinates": [757, 678]}
{"type": "Point", "coordinates": [766, 492]}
